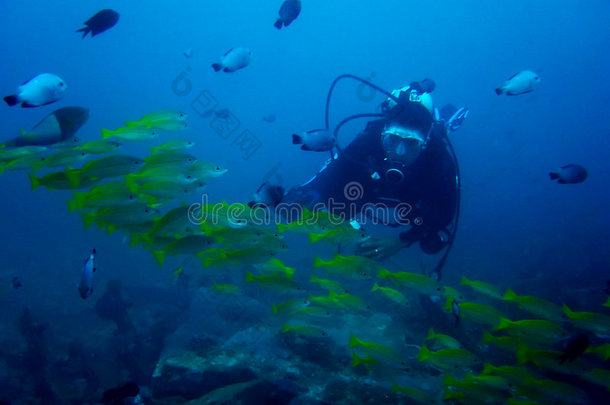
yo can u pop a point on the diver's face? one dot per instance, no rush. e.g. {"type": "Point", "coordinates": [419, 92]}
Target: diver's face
{"type": "Point", "coordinates": [401, 149]}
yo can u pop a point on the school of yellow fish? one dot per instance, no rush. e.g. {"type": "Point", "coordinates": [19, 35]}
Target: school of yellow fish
{"type": "Point", "coordinates": [516, 342]}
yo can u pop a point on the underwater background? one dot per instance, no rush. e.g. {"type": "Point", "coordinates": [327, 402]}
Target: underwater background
{"type": "Point", "coordinates": [517, 228]}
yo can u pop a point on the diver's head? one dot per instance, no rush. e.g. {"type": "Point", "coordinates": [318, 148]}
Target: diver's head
{"type": "Point", "coordinates": [402, 144]}
{"type": "Point", "coordinates": [414, 108]}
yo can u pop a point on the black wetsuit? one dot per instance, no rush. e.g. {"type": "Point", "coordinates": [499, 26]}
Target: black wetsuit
{"type": "Point", "coordinates": [429, 187]}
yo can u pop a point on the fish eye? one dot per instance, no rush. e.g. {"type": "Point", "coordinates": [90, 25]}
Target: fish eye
{"type": "Point", "coordinates": [147, 210]}
{"type": "Point", "coordinates": [61, 84]}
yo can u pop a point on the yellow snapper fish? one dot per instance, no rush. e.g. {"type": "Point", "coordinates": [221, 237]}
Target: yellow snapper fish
{"type": "Point", "coordinates": [290, 306]}
{"type": "Point", "coordinates": [229, 289]}
{"type": "Point", "coordinates": [160, 120]}
{"type": "Point", "coordinates": [174, 221]}
{"type": "Point", "coordinates": [130, 134]}
{"type": "Point", "coordinates": [169, 158]}
{"type": "Point", "coordinates": [443, 341]}
{"type": "Point", "coordinates": [366, 361]}
{"type": "Point", "coordinates": [515, 374]}
{"type": "Point", "coordinates": [22, 163]}
{"type": "Point", "coordinates": [598, 324]}
{"type": "Point", "coordinates": [175, 174]}
{"type": "Point", "coordinates": [187, 245]}
{"type": "Point", "coordinates": [108, 194]}
{"type": "Point", "coordinates": [310, 222]}
{"type": "Point", "coordinates": [418, 282]}
{"type": "Point", "coordinates": [390, 293]}
{"type": "Point", "coordinates": [59, 181]}
{"type": "Point", "coordinates": [534, 330]}
{"type": "Point", "coordinates": [120, 215]}
{"type": "Point", "coordinates": [537, 306]}
{"type": "Point", "coordinates": [6, 155]}
{"type": "Point", "coordinates": [235, 236]}
{"type": "Point", "coordinates": [275, 266]}
{"type": "Point", "coordinates": [277, 282]}
{"type": "Point", "coordinates": [61, 158]}
{"type": "Point", "coordinates": [351, 267]}
{"type": "Point", "coordinates": [330, 285]}
{"type": "Point", "coordinates": [481, 287]}
{"type": "Point", "coordinates": [345, 301]}
{"type": "Point", "coordinates": [203, 171]}
{"type": "Point", "coordinates": [448, 359]}
{"type": "Point", "coordinates": [549, 359]}
{"type": "Point", "coordinates": [376, 350]}
{"type": "Point", "coordinates": [304, 330]}
{"type": "Point", "coordinates": [419, 396]}
{"type": "Point", "coordinates": [110, 166]}
{"type": "Point", "coordinates": [550, 391]}
{"type": "Point", "coordinates": [177, 145]}
{"type": "Point", "coordinates": [311, 311]}
{"type": "Point", "coordinates": [99, 146]}
{"type": "Point", "coordinates": [506, 343]}
{"type": "Point", "coordinates": [470, 390]}
{"type": "Point", "coordinates": [339, 235]}
{"type": "Point", "coordinates": [165, 189]}
{"type": "Point", "coordinates": [480, 313]}
{"type": "Point", "coordinates": [263, 250]}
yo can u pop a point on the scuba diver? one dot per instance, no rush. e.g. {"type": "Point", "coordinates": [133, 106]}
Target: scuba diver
{"type": "Point", "coordinates": [402, 163]}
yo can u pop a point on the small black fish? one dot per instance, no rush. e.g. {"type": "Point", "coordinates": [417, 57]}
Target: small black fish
{"type": "Point", "coordinates": [100, 22]}
{"type": "Point", "coordinates": [569, 174]}
{"type": "Point", "coordinates": [575, 348]}
{"type": "Point", "coordinates": [115, 396]}
{"type": "Point", "coordinates": [16, 283]}
{"type": "Point", "coordinates": [289, 11]}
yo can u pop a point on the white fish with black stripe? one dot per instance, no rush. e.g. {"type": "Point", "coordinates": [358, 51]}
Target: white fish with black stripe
{"type": "Point", "coordinates": [46, 88]}
{"type": "Point", "coordinates": [234, 59]}
{"type": "Point", "coordinates": [519, 83]}
{"type": "Point", "coordinates": [86, 275]}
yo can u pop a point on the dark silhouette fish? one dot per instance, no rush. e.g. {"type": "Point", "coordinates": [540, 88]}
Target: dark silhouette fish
{"type": "Point", "coordinates": [569, 174]}
{"type": "Point", "coordinates": [575, 348]}
{"type": "Point", "coordinates": [289, 11]}
{"type": "Point", "coordinates": [56, 127]}
{"type": "Point", "coordinates": [100, 22]}
{"type": "Point", "coordinates": [116, 396]}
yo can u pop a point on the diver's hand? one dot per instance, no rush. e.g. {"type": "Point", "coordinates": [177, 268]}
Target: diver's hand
{"type": "Point", "coordinates": [379, 248]}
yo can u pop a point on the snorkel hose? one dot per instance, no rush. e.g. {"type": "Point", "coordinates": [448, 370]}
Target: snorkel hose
{"type": "Point", "coordinates": [437, 270]}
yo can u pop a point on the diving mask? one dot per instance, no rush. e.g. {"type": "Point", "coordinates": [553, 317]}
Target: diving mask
{"type": "Point", "coordinates": [402, 144]}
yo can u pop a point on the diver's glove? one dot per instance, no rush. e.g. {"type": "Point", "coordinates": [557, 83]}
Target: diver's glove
{"type": "Point", "coordinates": [379, 248]}
{"type": "Point", "coordinates": [456, 120]}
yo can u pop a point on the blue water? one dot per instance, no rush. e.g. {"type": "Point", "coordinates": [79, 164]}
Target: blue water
{"type": "Point", "coordinates": [517, 228]}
